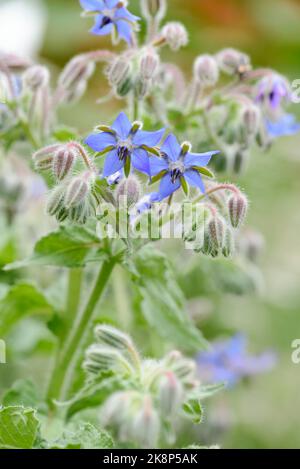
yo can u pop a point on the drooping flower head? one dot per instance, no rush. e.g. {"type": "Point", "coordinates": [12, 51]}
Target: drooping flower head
{"type": "Point", "coordinates": [127, 145]}
{"type": "Point", "coordinates": [285, 125]}
{"type": "Point", "coordinates": [111, 16]}
{"type": "Point", "coordinates": [272, 91]}
{"type": "Point", "coordinates": [229, 361]}
{"type": "Point", "coordinates": [177, 167]}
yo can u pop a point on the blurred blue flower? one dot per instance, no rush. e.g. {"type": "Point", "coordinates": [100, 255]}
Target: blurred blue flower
{"type": "Point", "coordinates": [272, 90]}
{"type": "Point", "coordinates": [110, 15]}
{"type": "Point", "coordinates": [229, 361]}
{"type": "Point", "coordinates": [178, 166]}
{"type": "Point", "coordinates": [285, 125]}
{"type": "Point", "coordinates": [126, 144]}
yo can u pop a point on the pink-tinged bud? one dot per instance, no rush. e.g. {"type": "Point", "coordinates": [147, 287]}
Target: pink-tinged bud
{"type": "Point", "coordinates": [55, 200]}
{"type": "Point", "coordinates": [36, 77]}
{"type": "Point", "coordinates": [43, 158]}
{"type": "Point", "coordinates": [154, 9]}
{"type": "Point", "coordinates": [149, 64]}
{"type": "Point", "coordinates": [238, 206]}
{"type": "Point", "coordinates": [128, 191]}
{"type": "Point", "coordinates": [146, 425]}
{"type": "Point", "coordinates": [251, 119]}
{"type": "Point", "coordinates": [13, 62]}
{"type": "Point", "coordinates": [119, 71]}
{"type": "Point", "coordinates": [232, 61]}
{"type": "Point", "coordinates": [216, 231]}
{"type": "Point", "coordinates": [77, 190]}
{"type": "Point", "coordinates": [63, 162]}
{"type": "Point", "coordinates": [175, 35]}
{"type": "Point", "coordinates": [79, 69]}
{"type": "Point", "coordinates": [170, 394]}
{"type": "Point", "coordinates": [206, 70]}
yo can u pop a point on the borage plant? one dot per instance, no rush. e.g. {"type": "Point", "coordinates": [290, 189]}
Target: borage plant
{"type": "Point", "coordinates": [131, 183]}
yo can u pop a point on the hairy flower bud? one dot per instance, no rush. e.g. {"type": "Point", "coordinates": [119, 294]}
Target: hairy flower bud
{"type": "Point", "coordinates": [175, 35]}
{"type": "Point", "coordinates": [206, 70]}
{"type": "Point", "coordinates": [77, 190]}
{"type": "Point", "coordinates": [119, 71]}
{"type": "Point", "coordinates": [43, 158]}
{"type": "Point", "coordinates": [79, 69]}
{"type": "Point", "coordinates": [154, 9]}
{"type": "Point", "coordinates": [170, 393]}
{"type": "Point", "coordinates": [99, 358]}
{"type": "Point", "coordinates": [63, 162]}
{"type": "Point", "coordinates": [237, 206]}
{"type": "Point", "coordinates": [229, 245]}
{"type": "Point", "coordinates": [216, 230]}
{"type": "Point", "coordinates": [128, 191]}
{"type": "Point", "coordinates": [149, 64]}
{"type": "Point", "coordinates": [13, 62]}
{"type": "Point", "coordinates": [113, 337]}
{"type": "Point", "coordinates": [232, 61]}
{"type": "Point", "coordinates": [251, 119]}
{"type": "Point", "coordinates": [146, 425]}
{"type": "Point", "coordinates": [36, 77]}
{"type": "Point", "coordinates": [125, 87]}
{"type": "Point", "coordinates": [55, 200]}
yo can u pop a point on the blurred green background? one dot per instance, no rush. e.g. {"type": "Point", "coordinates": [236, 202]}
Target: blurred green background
{"type": "Point", "coordinates": [265, 412]}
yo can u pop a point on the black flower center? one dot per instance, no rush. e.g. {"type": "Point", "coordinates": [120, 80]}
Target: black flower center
{"type": "Point", "coordinates": [123, 153]}
{"type": "Point", "coordinates": [176, 174]}
{"type": "Point", "coordinates": [106, 20]}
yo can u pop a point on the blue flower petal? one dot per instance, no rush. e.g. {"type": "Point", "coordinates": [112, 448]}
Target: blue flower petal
{"type": "Point", "coordinates": [112, 164]}
{"type": "Point", "coordinates": [122, 125]}
{"type": "Point", "coordinates": [171, 147]}
{"type": "Point", "coordinates": [123, 13]}
{"type": "Point", "coordinates": [140, 161]}
{"type": "Point", "coordinates": [193, 178]}
{"type": "Point", "coordinates": [198, 159]}
{"type": "Point", "coordinates": [148, 138]}
{"type": "Point", "coordinates": [100, 30]}
{"type": "Point", "coordinates": [100, 141]}
{"type": "Point", "coordinates": [167, 187]}
{"type": "Point", "coordinates": [286, 125]}
{"type": "Point", "coordinates": [111, 3]}
{"type": "Point", "coordinates": [157, 165]}
{"type": "Point", "coordinates": [92, 5]}
{"type": "Point", "coordinates": [124, 30]}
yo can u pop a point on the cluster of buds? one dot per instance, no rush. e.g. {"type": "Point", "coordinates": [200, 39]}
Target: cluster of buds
{"type": "Point", "coordinates": [233, 62]}
{"type": "Point", "coordinates": [75, 196]}
{"type": "Point", "coordinates": [152, 393]}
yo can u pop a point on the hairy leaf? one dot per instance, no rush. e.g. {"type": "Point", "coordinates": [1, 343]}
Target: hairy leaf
{"type": "Point", "coordinates": [84, 436]}
{"type": "Point", "coordinates": [193, 410]}
{"type": "Point", "coordinates": [18, 427]}
{"type": "Point", "coordinates": [23, 393]}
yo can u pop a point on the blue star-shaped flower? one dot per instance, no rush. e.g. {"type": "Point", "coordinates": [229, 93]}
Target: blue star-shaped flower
{"type": "Point", "coordinates": [177, 166]}
{"type": "Point", "coordinates": [285, 125]}
{"type": "Point", "coordinates": [111, 15]}
{"type": "Point", "coordinates": [127, 144]}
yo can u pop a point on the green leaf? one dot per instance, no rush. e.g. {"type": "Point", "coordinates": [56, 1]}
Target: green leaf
{"type": "Point", "coordinates": [69, 246]}
{"type": "Point", "coordinates": [209, 390]}
{"type": "Point", "coordinates": [65, 134]}
{"type": "Point", "coordinates": [18, 427]}
{"type": "Point", "coordinates": [22, 393]}
{"type": "Point", "coordinates": [21, 301]}
{"type": "Point", "coordinates": [84, 436]}
{"type": "Point", "coordinates": [193, 410]}
{"type": "Point", "coordinates": [162, 302]}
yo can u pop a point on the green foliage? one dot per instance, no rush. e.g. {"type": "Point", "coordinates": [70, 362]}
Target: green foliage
{"type": "Point", "coordinates": [193, 410]}
{"type": "Point", "coordinates": [84, 436]}
{"type": "Point", "coordinates": [161, 301]}
{"type": "Point", "coordinates": [69, 246]}
{"type": "Point", "coordinates": [22, 300]}
{"type": "Point", "coordinates": [22, 393]}
{"type": "Point", "coordinates": [18, 427]}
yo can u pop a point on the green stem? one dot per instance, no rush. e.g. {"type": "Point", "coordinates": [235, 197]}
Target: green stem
{"type": "Point", "coordinates": [73, 294]}
{"type": "Point", "coordinates": [121, 299]}
{"type": "Point", "coordinates": [63, 373]}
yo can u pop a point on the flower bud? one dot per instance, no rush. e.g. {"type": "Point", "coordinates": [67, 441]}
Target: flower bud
{"type": "Point", "coordinates": [99, 358]}
{"type": "Point", "coordinates": [154, 9]}
{"type": "Point", "coordinates": [77, 70]}
{"type": "Point", "coordinates": [149, 64]}
{"type": "Point", "coordinates": [128, 191]}
{"type": "Point", "coordinates": [36, 77]}
{"type": "Point", "coordinates": [206, 70]}
{"type": "Point", "coordinates": [43, 158]}
{"type": "Point", "coordinates": [216, 231]}
{"type": "Point", "coordinates": [55, 200]}
{"type": "Point", "coordinates": [146, 425]}
{"type": "Point", "coordinates": [113, 337]}
{"type": "Point", "coordinates": [125, 87]}
{"type": "Point", "coordinates": [229, 245]}
{"type": "Point", "coordinates": [251, 119]}
{"type": "Point", "coordinates": [63, 162]}
{"type": "Point", "coordinates": [13, 62]}
{"type": "Point", "coordinates": [115, 408]}
{"type": "Point", "coordinates": [119, 71]}
{"type": "Point", "coordinates": [142, 87]}
{"type": "Point", "coordinates": [170, 393]}
{"type": "Point", "coordinates": [251, 244]}
{"type": "Point", "coordinates": [232, 61]}
{"type": "Point", "coordinates": [77, 190]}
{"type": "Point", "coordinates": [240, 160]}
{"type": "Point", "coordinates": [238, 206]}
{"type": "Point", "coordinates": [175, 35]}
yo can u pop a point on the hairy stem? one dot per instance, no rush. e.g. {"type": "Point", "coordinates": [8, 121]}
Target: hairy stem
{"type": "Point", "coordinates": [63, 372]}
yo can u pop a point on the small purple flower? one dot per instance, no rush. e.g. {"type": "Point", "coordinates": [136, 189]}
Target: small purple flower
{"type": "Point", "coordinates": [177, 166]}
{"type": "Point", "coordinates": [272, 90]}
{"type": "Point", "coordinates": [111, 15]}
{"type": "Point", "coordinates": [115, 178]}
{"type": "Point", "coordinates": [127, 144]}
{"type": "Point", "coordinates": [285, 125]}
{"type": "Point", "coordinates": [229, 362]}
